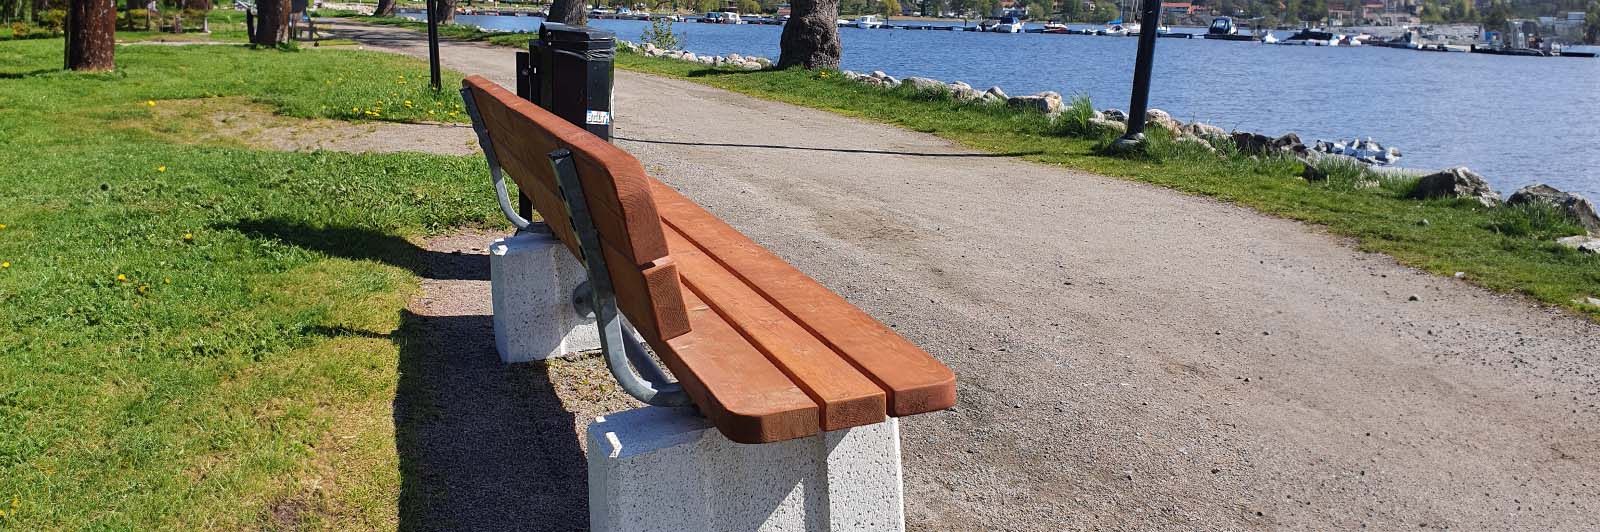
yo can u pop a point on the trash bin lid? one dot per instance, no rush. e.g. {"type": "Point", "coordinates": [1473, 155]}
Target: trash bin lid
{"type": "Point", "coordinates": [552, 32]}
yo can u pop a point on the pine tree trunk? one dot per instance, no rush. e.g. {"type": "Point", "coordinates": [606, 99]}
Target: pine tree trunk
{"type": "Point", "coordinates": [566, 12]}
{"type": "Point", "coordinates": [91, 35]}
{"type": "Point", "coordinates": [385, 9]}
{"type": "Point", "coordinates": [811, 37]}
{"type": "Point", "coordinates": [272, 22]}
{"type": "Point", "coordinates": [445, 11]}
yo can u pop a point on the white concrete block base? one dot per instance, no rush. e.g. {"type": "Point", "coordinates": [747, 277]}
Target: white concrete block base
{"type": "Point", "coordinates": [669, 469]}
{"type": "Point", "coordinates": [531, 278]}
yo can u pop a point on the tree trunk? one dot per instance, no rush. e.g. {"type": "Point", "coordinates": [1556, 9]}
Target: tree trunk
{"type": "Point", "coordinates": [91, 35]}
{"type": "Point", "coordinates": [444, 11]}
{"type": "Point", "coordinates": [385, 9]}
{"type": "Point", "coordinates": [566, 12]}
{"type": "Point", "coordinates": [272, 23]}
{"type": "Point", "coordinates": [811, 37]}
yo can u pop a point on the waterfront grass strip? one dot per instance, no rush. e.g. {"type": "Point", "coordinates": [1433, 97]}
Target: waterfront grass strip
{"type": "Point", "coordinates": [202, 334]}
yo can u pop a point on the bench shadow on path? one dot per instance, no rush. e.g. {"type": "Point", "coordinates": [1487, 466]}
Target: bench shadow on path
{"type": "Point", "coordinates": [482, 445]}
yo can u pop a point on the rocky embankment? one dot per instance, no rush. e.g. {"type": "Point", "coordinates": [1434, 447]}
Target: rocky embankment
{"type": "Point", "coordinates": [1457, 182]}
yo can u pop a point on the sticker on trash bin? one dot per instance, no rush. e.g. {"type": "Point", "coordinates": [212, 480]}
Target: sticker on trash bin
{"type": "Point", "coordinates": [598, 117]}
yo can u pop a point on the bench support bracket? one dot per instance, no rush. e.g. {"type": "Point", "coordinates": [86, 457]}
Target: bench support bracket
{"type": "Point", "coordinates": [624, 354]}
{"type": "Point", "coordinates": [495, 173]}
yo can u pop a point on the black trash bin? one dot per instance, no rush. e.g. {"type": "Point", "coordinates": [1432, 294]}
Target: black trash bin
{"type": "Point", "coordinates": [574, 74]}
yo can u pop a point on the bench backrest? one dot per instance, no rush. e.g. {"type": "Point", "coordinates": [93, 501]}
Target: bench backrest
{"type": "Point", "coordinates": [618, 193]}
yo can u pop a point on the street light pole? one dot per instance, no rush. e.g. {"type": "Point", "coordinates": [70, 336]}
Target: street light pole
{"type": "Point", "coordinates": [1150, 14]}
{"type": "Point", "coordinates": [433, 42]}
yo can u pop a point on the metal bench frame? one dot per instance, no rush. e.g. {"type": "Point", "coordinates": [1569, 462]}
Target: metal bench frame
{"type": "Point", "coordinates": [626, 357]}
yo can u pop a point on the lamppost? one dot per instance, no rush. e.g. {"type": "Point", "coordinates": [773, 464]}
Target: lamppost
{"type": "Point", "coordinates": [1150, 14]}
{"type": "Point", "coordinates": [433, 42]}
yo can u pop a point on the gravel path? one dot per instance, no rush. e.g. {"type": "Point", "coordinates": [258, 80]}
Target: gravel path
{"type": "Point", "coordinates": [1131, 357]}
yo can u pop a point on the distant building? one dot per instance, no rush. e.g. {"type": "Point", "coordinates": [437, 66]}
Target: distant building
{"type": "Point", "coordinates": [1177, 8]}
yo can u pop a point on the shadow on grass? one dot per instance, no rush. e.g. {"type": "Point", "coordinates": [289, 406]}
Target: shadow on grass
{"type": "Point", "coordinates": [29, 74]}
{"type": "Point", "coordinates": [482, 445]}
{"type": "Point", "coordinates": [365, 244]}
{"type": "Point", "coordinates": [836, 150]}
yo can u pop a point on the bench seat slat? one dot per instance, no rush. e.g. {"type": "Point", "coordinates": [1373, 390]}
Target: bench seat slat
{"type": "Point", "coordinates": [914, 381]}
{"type": "Point", "coordinates": [846, 398]}
{"type": "Point", "coordinates": [735, 386]}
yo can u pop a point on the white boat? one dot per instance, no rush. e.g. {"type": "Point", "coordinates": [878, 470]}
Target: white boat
{"type": "Point", "coordinates": [1112, 29]}
{"type": "Point", "coordinates": [1009, 25]}
{"type": "Point", "coordinates": [867, 22]}
{"type": "Point", "coordinates": [1268, 38]}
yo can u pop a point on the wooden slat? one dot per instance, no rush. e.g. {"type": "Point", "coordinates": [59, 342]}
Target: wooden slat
{"type": "Point", "coordinates": [915, 382]}
{"type": "Point", "coordinates": [847, 398]}
{"type": "Point", "coordinates": [618, 195]}
{"type": "Point", "coordinates": [736, 387]}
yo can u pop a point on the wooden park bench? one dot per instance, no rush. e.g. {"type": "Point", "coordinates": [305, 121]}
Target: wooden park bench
{"type": "Point", "coordinates": [765, 352]}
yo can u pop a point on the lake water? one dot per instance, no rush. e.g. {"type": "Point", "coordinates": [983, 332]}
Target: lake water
{"type": "Point", "coordinates": [1516, 120]}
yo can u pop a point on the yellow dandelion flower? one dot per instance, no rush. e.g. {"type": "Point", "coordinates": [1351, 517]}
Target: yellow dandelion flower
{"type": "Point", "coordinates": [142, 288]}
{"type": "Point", "coordinates": [161, 168]}
{"type": "Point", "coordinates": [166, 280]}
{"type": "Point", "coordinates": [6, 264]}
{"type": "Point", "coordinates": [151, 103]}
{"type": "Point", "coordinates": [2, 227]}
{"type": "Point", "coordinates": [188, 237]}
{"type": "Point", "coordinates": [121, 278]}
{"type": "Point", "coordinates": [355, 109]}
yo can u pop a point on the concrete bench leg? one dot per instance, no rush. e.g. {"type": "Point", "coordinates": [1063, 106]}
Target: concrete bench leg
{"type": "Point", "coordinates": [531, 278]}
{"type": "Point", "coordinates": [669, 469]}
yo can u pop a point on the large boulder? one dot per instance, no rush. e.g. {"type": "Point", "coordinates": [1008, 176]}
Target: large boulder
{"type": "Point", "coordinates": [1115, 115]}
{"type": "Point", "coordinates": [921, 84]}
{"type": "Point", "coordinates": [997, 94]}
{"type": "Point", "coordinates": [1102, 124]}
{"type": "Point", "coordinates": [1584, 243]}
{"type": "Point", "coordinates": [1205, 131]}
{"type": "Point", "coordinates": [968, 94]}
{"type": "Point", "coordinates": [1258, 144]}
{"type": "Point", "coordinates": [1458, 182]}
{"type": "Point", "coordinates": [1044, 102]}
{"type": "Point", "coordinates": [1575, 205]}
{"type": "Point", "coordinates": [1160, 119]}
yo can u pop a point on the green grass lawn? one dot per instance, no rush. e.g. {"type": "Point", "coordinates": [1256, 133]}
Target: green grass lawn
{"type": "Point", "coordinates": [199, 335]}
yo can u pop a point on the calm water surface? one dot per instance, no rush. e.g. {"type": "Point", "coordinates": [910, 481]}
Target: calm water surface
{"type": "Point", "coordinates": [1516, 120]}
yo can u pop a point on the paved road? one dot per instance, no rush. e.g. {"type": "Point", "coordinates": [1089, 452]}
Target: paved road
{"type": "Point", "coordinates": [1135, 358]}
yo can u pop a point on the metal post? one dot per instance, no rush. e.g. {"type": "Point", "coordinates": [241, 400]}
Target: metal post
{"type": "Point", "coordinates": [433, 42]}
{"type": "Point", "coordinates": [1151, 14]}
{"type": "Point", "coordinates": [527, 89]}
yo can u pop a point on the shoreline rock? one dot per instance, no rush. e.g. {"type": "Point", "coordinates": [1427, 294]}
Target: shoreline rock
{"type": "Point", "coordinates": [1457, 182]}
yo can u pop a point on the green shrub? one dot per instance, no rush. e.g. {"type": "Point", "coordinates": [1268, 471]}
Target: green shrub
{"type": "Point", "coordinates": [1074, 119]}
{"type": "Point", "coordinates": [20, 30]}
{"type": "Point", "coordinates": [53, 21]}
{"type": "Point", "coordinates": [660, 34]}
